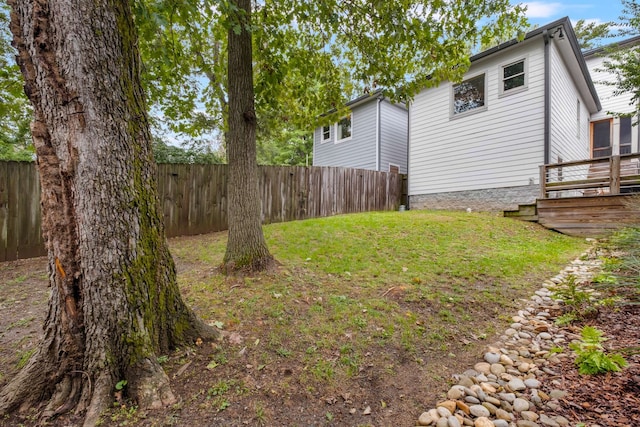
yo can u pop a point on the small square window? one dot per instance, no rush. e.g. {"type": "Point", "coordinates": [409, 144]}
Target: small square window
{"type": "Point", "coordinates": [343, 128]}
{"type": "Point", "coordinates": [469, 95]}
{"type": "Point", "coordinates": [513, 76]}
{"type": "Point", "coordinates": [326, 133]}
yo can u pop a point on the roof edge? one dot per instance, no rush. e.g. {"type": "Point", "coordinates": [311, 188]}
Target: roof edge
{"type": "Point", "coordinates": [632, 41]}
{"type": "Point", "coordinates": [573, 41]}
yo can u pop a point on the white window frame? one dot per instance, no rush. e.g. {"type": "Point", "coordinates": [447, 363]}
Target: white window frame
{"type": "Point", "coordinates": [322, 138]}
{"type": "Point", "coordinates": [394, 165]}
{"type": "Point", "coordinates": [578, 107]}
{"type": "Point", "coordinates": [337, 129]}
{"type": "Point", "coordinates": [452, 113]}
{"type": "Point", "coordinates": [525, 72]}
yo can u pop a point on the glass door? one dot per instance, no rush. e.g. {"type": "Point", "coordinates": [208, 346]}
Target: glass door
{"type": "Point", "coordinates": [601, 138]}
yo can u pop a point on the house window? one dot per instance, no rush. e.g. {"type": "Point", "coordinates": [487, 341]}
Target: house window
{"type": "Point", "coordinates": [326, 133]}
{"type": "Point", "coordinates": [469, 95]}
{"type": "Point", "coordinates": [513, 76]}
{"type": "Point", "coordinates": [625, 135]}
{"type": "Point", "coordinates": [601, 138]}
{"type": "Point", "coordinates": [578, 118]}
{"type": "Point", "coordinates": [343, 129]}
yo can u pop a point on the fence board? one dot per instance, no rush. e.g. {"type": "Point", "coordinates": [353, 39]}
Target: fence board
{"type": "Point", "coordinates": [4, 210]}
{"type": "Point", "coordinates": [193, 199]}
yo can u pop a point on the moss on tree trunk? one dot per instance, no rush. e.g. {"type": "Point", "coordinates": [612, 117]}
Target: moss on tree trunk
{"type": "Point", "coordinates": [114, 303]}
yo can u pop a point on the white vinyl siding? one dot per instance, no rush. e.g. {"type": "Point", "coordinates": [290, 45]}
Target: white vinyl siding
{"type": "Point", "coordinates": [393, 136]}
{"type": "Point", "coordinates": [500, 147]}
{"type": "Point", "coordinates": [358, 152]}
{"type": "Point", "coordinates": [609, 101]}
{"type": "Point", "coordinates": [565, 97]}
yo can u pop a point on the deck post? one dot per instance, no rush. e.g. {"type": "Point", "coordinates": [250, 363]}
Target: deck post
{"type": "Point", "coordinates": [614, 174]}
{"type": "Point", "coordinates": [543, 181]}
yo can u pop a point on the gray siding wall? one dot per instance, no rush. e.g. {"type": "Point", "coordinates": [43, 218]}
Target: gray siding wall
{"type": "Point", "coordinates": [359, 151]}
{"type": "Point", "coordinates": [568, 140]}
{"type": "Point", "coordinates": [491, 199]}
{"type": "Point", "coordinates": [393, 136]}
{"type": "Point", "coordinates": [500, 147]}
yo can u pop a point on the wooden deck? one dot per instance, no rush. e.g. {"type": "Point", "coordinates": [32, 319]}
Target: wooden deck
{"type": "Point", "coordinates": [593, 177]}
{"type": "Point", "coordinates": [589, 216]}
{"type": "Point", "coordinates": [588, 198]}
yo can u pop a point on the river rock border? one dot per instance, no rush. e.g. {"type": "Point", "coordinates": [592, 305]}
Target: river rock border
{"type": "Point", "coordinates": [504, 390]}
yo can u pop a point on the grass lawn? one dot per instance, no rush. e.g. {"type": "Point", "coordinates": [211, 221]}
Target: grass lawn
{"type": "Point", "coordinates": [378, 305]}
{"type": "Point", "coordinates": [363, 324]}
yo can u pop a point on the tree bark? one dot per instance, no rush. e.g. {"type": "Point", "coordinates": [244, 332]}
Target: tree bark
{"type": "Point", "coordinates": [114, 302]}
{"type": "Point", "coordinates": [246, 248]}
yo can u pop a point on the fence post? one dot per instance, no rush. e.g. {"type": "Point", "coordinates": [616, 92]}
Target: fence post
{"type": "Point", "coordinates": [614, 174]}
{"type": "Point", "coordinates": [543, 181]}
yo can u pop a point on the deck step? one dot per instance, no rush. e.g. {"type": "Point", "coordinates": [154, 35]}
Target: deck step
{"type": "Point", "coordinates": [527, 212]}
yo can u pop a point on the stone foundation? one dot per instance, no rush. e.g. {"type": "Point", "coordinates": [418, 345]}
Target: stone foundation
{"type": "Point", "coordinates": [491, 199]}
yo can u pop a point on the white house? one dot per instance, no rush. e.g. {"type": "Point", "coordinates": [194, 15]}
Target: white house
{"type": "Point", "coordinates": [479, 143]}
{"type": "Point", "coordinates": [611, 135]}
{"type": "Point", "coordinates": [373, 136]}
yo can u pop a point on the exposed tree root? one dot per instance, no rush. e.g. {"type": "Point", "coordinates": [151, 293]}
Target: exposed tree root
{"type": "Point", "coordinates": [257, 265]}
{"type": "Point", "coordinates": [100, 399]}
{"type": "Point", "coordinates": [28, 388]}
{"type": "Point", "coordinates": [149, 385]}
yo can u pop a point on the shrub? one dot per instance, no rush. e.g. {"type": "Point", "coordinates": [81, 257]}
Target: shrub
{"type": "Point", "coordinates": [591, 359]}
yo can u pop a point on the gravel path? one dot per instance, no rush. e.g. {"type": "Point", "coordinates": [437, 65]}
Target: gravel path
{"type": "Point", "coordinates": [505, 389]}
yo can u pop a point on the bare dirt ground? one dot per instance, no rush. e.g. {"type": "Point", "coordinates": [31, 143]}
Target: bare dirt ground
{"type": "Point", "coordinates": [243, 391]}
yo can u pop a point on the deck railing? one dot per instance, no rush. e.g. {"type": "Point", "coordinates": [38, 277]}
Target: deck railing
{"type": "Point", "coordinates": [594, 177]}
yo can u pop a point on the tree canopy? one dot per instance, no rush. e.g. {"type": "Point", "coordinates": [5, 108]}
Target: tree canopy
{"type": "Point", "coordinates": [309, 57]}
{"type": "Point", "coordinates": [591, 34]}
{"type": "Point", "coordinates": [15, 110]}
{"type": "Point", "coordinates": [625, 61]}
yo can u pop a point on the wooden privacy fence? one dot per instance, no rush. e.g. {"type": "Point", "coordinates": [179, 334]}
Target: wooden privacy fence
{"type": "Point", "coordinates": [194, 199]}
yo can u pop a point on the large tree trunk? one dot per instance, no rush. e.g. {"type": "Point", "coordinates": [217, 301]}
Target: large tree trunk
{"type": "Point", "coordinates": [114, 303]}
{"type": "Point", "coordinates": [246, 248]}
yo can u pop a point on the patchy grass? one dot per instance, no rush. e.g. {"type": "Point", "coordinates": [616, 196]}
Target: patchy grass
{"type": "Point", "coordinates": [367, 295]}
{"type": "Point", "coordinates": [366, 312]}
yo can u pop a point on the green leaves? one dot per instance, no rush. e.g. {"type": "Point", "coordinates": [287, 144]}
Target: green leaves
{"type": "Point", "coordinates": [591, 359]}
{"type": "Point", "coordinates": [625, 63]}
{"type": "Point", "coordinates": [310, 57]}
{"type": "Point", "coordinates": [15, 109]}
{"type": "Point", "coordinates": [591, 34]}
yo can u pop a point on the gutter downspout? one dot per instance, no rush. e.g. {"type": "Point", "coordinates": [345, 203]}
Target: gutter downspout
{"type": "Point", "coordinates": [378, 148]}
{"type": "Point", "coordinates": [547, 96]}
{"type": "Point", "coordinates": [408, 104]}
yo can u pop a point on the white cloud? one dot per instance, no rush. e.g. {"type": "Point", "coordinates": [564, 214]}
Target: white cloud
{"type": "Point", "coordinates": [536, 9]}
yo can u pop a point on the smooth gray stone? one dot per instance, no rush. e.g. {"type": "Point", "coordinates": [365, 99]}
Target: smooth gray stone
{"type": "Point", "coordinates": [516, 384]}
{"type": "Point", "coordinates": [471, 399]}
{"type": "Point", "coordinates": [479, 411]}
{"type": "Point", "coordinates": [520, 405]}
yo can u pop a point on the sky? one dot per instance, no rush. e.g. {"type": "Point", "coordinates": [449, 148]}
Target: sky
{"type": "Point", "coordinates": [544, 12]}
